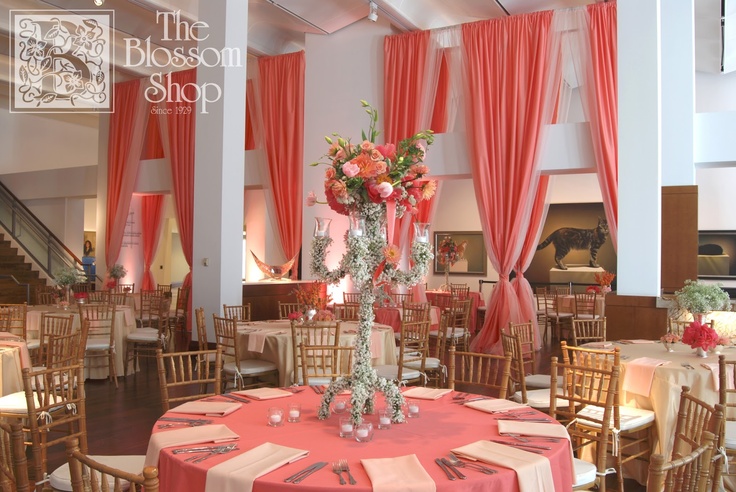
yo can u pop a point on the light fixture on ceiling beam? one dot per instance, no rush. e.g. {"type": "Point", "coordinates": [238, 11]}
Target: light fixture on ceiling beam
{"type": "Point", "coordinates": [373, 14]}
{"type": "Point", "coordinates": [99, 2]}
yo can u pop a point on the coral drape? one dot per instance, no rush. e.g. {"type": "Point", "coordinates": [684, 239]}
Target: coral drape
{"type": "Point", "coordinates": [282, 107]}
{"type": "Point", "coordinates": [125, 142]}
{"type": "Point", "coordinates": [151, 210]}
{"type": "Point", "coordinates": [506, 72]}
{"type": "Point", "coordinates": [250, 137]}
{"type": "Point", "coordinates": [178, 139]}
{"type": "Point", "coordinates": [604, 119]}
{"type": "Point", "coordinates": [152, 146]}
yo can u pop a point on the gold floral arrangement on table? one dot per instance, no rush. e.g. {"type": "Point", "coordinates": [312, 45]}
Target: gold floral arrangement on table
{"type": "Point", "coordinates": [311, 295]}
{"type": "Point", "coordinates": [372, 184]}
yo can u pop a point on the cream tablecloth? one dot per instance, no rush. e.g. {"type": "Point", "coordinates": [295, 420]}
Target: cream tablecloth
{"type": "Point", "coordinates": [11, 380]}
{"type": "Point", "coordinates": [278, 347]}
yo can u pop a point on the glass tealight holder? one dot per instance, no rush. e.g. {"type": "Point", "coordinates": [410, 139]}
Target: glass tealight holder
{"type": "Point", "coordinates": [384, 418]}
{"type": "Point", "coordinates": [340, 405]}
{"type": "Point", "coordinates": [421, 232]}
{"type": "Point", "coordinates": [357, 225]}
{"type": "Point", "coordinates": [322, 227]}
{"type": "Point", "coordinates": [275, 417]}
{"type": "Point", "coordinates": [295, 412]}
{"type": "Point", "coordinates": [346, 427]}
{"type": "Point", "coordinates": [413, 410]}
{"type": "Point", "coordinates": [364, 432]}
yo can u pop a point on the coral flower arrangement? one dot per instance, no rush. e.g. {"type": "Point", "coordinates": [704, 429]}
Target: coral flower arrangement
{"type": "Point", "coordinates": [700, 335]}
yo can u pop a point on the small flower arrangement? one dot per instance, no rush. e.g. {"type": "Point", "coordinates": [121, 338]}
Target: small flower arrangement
{"type": "Point", "coordinates": [700, 297]}
{"type": "Point", "coordinates": [311, 295]}
{"type": "Point", "coordinates": [111, 283]}
{"type": "Point", "coordinates": [447, 253]}
{"type": "Point", "coordinates": [64, 304]}
{"type": "Point", "coordinates": [80, 295]}
{"type": "Point", "coordinates": [324, 315]}
{"type": "Point", "coordinates": [700, 335]}
{"type": "Point", "coordinates": [724, 341]}
{"type": "Point", "coordinates": [117, 271]}
{"type": "Point", "coordinates": [295, 315]}
{"type": "Point", "coordinates": [604, 280]}
{"type": "Point", "coordinates": [69, 276]}
{"type": "Point", "coordinates": [670, 337]}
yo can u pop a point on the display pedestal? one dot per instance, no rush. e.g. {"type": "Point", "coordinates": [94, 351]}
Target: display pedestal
{"type": "Point", "coordinates": [577, 274]}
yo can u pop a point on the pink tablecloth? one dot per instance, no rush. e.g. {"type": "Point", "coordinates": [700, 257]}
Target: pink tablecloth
{"type": "Point", "coordinates": [442, 426]}
{"type": "Point", "coordinates": [392, 316]}
{"type": "Point", "coordinates": [476, 301]}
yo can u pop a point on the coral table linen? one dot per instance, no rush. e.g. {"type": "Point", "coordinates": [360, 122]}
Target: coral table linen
{"type": "Point", "coordinates": [442, 426]}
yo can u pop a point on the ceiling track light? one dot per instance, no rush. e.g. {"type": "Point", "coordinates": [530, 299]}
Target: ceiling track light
{"type": "Point", "coordinates": [373, 14]}
{"type": "Point", "coordinates": [99, 2]}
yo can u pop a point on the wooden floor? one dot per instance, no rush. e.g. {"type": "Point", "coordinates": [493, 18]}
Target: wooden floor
{"type": "Point", "coordinates": [119, 421]}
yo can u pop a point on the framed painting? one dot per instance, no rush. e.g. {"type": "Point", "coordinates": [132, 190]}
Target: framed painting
{"type": "Point", "coordinates": [471, 252]}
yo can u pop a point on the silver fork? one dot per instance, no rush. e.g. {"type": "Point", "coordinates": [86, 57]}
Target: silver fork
{"type": "Point", "coordinates": [346, 468]}
{"type": "Point", "coordinates": [686, 365]}
{"type": "Point", "coordinates": [338, 471]}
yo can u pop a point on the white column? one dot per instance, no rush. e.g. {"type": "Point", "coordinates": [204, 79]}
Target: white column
{"type": "Point", "coordinates": [639, 139]}
{"type": "Point", "coordinates": [219, 154]}
{"type": "Point", "coordinates": [678, 93]}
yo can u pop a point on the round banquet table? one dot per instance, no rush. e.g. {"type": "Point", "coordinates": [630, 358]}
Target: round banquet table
{"type": "Point", "coordinates": [442, 426]}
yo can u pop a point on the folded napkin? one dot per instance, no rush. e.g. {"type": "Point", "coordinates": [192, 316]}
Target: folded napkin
{"type": "Point", "coordinates": [400, 474]}
{"type": "Point", "coordinates": [25, 357]}
{"type": "Point", "coordinates": [238, 473]}
{"type": "Point", "coordinates": [263, 393]}
{"type": "Point", "coordinates": [598, 344]}
{"type": "Point", "coordinates": [715, 375]}
{"type": "Point", "coordinates": [426, 393]}
{"type": "Point", "coordinates": [188, 435]}
{"type": "Point", "coordinates": [256, 341]}
{"type": "Point", "coordinates": [538, 429]}
{"type": "Point", "coordinates": [494, 405]}
{"type": "Point", "coordinates": [533, 471]}
{"type": "Point", "coordinates": [639, 374]}
{"type": "Point", "coordinates": [212, 408]}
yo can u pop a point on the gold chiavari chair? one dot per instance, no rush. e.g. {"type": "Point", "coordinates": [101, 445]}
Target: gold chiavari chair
{"type": "Point", "coordinates": [588, 330]}
{"type": "Point", "coordinates": [286, 308]}
{"type": "Point", "coordinates": [238, 313]}
{"type": "Point", "coordinates": [474, 370]}
{"type": "Point", "coordinates": [100, 326]}
{"type": "Point", "coordinates": [240, 369]}
{"type": "Point", "coordinates": [186, 376]}
{"type": "Point", "coordinates": [322, 364]}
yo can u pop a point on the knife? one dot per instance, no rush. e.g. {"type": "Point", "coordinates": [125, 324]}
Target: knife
{"type": "Point", "coordinates": [316, 467]}
{"type": "Point", "coordinates": [189, 421]}
{"type": "Point", "coordinates": [236, 398]}
{"type": "Point", "coordinates": [449, 474]}
{"type": "Point", "coordinates": [305, 470]}
{"type": "Point", "coordinates": [454, 469]}
{"type": "Point", "coordinates": [521, 444]}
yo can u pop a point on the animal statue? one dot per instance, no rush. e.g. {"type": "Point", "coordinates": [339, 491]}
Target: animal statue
{"type": "Point", "coordinates": [566, 239]}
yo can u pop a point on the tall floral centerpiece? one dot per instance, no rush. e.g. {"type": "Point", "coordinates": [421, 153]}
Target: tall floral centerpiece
{"type": "Point", "coordinates": [447, 255]}
{"type": "Point", "coordinates": [371, 184]}
{"type": "Point", "coordinates": [700, 298]}
{"type": "Point", "coordinates": [604, 280]}
{"type": "Point", "coordinates": [66, 277]}
{"type": "Point", "coordinates": [114, 274]}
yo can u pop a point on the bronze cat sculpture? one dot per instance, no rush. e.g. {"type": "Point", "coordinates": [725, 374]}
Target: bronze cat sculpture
{"type": "Point", "coordinates": [566, 239]}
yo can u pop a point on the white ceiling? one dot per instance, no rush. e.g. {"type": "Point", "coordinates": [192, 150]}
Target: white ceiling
{"type": "Point", "coordinates": [279, 26]}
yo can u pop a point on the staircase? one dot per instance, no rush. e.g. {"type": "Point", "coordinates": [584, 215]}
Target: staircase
{"type": "Point", "coordinates": [13, 263]}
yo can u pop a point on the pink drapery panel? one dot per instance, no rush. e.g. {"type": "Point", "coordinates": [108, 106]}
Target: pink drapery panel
{"type": "Point", "coordinates": [151, 209]}
{"type": "Point", "coordinates": [506, 72]}
{"type": "Point", "coordinates": [440, 110]}
{"type": "Point", "coordinates": [250, 138]}
{"type": "Point", "coordinates": [529, 247]}
{"type": "Point", "coordinates": [282, 106]}
{"type": "Point", "coordinates": [178, 139]}
{"type": "Point", "coordinates": [604, 100]}
{"type": "Point", "coordinates": [125, 142]}
{"type": "Point", "coordinates": [152, 146]}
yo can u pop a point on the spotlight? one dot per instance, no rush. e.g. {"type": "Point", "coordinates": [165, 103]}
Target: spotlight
{"type": "Point", "coordinates": [99, 2]}
{"type": "Point", "coordinates": [373, 14]}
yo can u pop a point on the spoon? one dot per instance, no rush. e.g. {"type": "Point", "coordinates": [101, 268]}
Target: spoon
{"type": "Point", "coordinates": [455, 461]}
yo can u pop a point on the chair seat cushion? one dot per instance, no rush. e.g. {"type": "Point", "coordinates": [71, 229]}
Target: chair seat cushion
{"type": "Point", "coordinates": [33, 344]}
{"type": "Point", "coordinates": [631, 418]}
{"type": "Point", "coordinates": [392, 372]}
{"type": "Point", "coordinates": [143, 335]}
{"type": "Point", "coordinates": [250, 366]}
{"type": "Point", "coordinates": [98, 343]}
{"type": "Point", "coordinates": [458, 333]}
{"type": "Point", "coordinates": [584, 472]}
{"type": "Point", "coordinates": [61, 479]}
{"type": "Point", "coordinates": [538, 398]}
{"type": "Point", "coordinates": [729, 437]}
{"type": "Point", "coordinates": [429, 363]}
{"type": "Point", "coordinates": [16, 403]}
{"type": "Point", "coordinates": [541, 381]}
{"type": "Point", "coordinates": [587, 316]}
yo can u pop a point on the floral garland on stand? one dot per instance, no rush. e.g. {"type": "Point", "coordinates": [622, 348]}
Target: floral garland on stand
{"type": "Point", "coordinates": [369, 182]}
{"type": "Point", "coordinates": [447, 255]}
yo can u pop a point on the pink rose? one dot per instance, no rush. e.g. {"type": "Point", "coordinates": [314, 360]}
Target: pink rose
{"type": "Point", "coordinates": [388, 150]}
{"type": "Point", "coordinates": [311, 199]}
{"type": "Point", "coordinates": [384, 189]}
{"type": "Point", "coordinates": [330, 173]}
{"type": "Point", "coordinates": [366, 146]}
{"type": "Point", "coordinates": [350, 169]}
{"type": "Point", "coordinates": [376, 155]}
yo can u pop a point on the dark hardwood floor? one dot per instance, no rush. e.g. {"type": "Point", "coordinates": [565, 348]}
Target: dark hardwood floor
{"type": "Point", "coordinates": [119, 421]}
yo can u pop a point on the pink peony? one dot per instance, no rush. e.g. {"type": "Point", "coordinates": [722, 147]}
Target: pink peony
{"type": "Point", "coordinates": [384, 189]}
{"type": "Point", "coordinates": [699, 335]}
{"type": "Point", "coordinates": [350, 169]}
{"type": "Point", "coordinates": [388, 151]}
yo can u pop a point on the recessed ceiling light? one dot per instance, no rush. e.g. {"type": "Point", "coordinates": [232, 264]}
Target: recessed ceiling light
{"type": "Point", "coordinates": [99, 2]}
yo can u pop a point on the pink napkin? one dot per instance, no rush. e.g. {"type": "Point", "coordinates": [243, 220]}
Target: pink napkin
{"type": "Point", "coordinates": [238, 473]}
{"type": "Point", "coordinates": [639, 374]}
{"type": "Point", "coordinates": [25, 357]}
{"type": "Point", "coordinates": [715, 375]}
{"type": "Point", "coordinates": [426, 393]}
{"type": "Point", "coordinates": [256, 341]}
{"type": "Point", "coordinates": [212, 408]}
{"type": "Point", "coordinates": [189, 435]}
{"type": "Point", "coordinates": [400, 474]}
{"type": "Point", "coordinates": [264, 393]}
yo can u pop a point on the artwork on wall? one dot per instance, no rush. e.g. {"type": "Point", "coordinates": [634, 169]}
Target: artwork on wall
{"type": "Point", "coordinates": [471, 253]}
{"type": "Point", "coordinates": [90, 243]}
{"type": "Point", "coordinates": [570, 215]}
{"type": "Point", "coordinates": [717, 254]}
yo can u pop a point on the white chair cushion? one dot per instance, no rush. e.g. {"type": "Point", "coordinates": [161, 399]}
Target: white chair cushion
{"type": "Point", "coordinates": [459, 333]}
{"type": "Point", "coordinates": [631, 418]}
{"type": "Point", "coordinates": [429, 363]}
{"type": "Point", "coordinates": [16, 403]}
{"type": "Point", "coordinates": [587, 316]}
{"type": "Point", "coordinates": [317, 381]}
{"type": "Point", "coordinates": [538, 398]}
{"type": "Point", "coordinates": [33, 344]}
{"type": "Point", "coordinates": [250, 366]}
{"type": "Point", "coordinates": [541, 381]}
{"type": "Point", "coordinates": [98, 343]}
{"type": "Point", "coordinates": [60, 479]}
{"type": "Point", "coordinates": [143, 335]}
{"type": "Point", "coordinates": [392, 372]}
{"type": "Point", "coordinates": [729, 438]}
{"type": "Point", "coordinates": [584, 472]}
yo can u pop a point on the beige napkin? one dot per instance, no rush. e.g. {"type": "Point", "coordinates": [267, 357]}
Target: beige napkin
{"type": "Point", "coordinates": [533, 471]}
{"type": "Point", "coordinates": [715, 375]}
{"type": "Point", "coordinates": [400, 474]}
{"type": "Point", "coordinates": [25, 357]}
{"type": "Point", "coordinates": [189, 435]}
{"type": "Point", "coordinates": [538, 429]}
{"type": "Point", "coordinates": [212, 408]}
{"type": "Point", "coordinates": [426, 393]}
{"type": "Point", "coordinates": [494, 405]}
{"type": "Point", "coordinates": [639, 374]}
{"type": "Point", "coordinates": [238, 473]}
{"type": "Point", "coordinates": [263, 393]}
{"type": "Point", "coordinates": [256, 341]}
{"type": "Point", "coordinates": [598, 345]}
